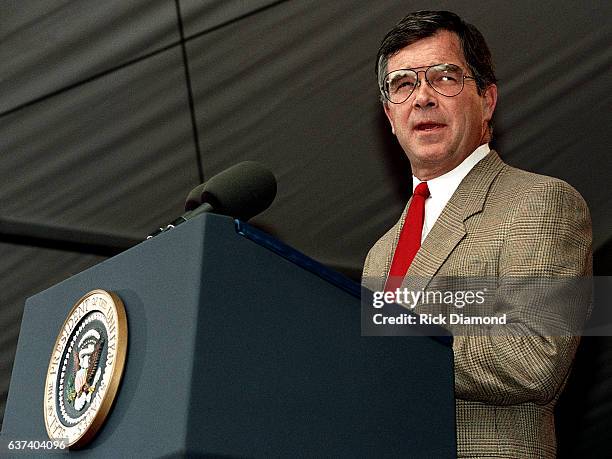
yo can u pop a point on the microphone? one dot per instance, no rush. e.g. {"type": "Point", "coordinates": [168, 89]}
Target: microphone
{"type": "Point", "coordinates": [242, 191]}
{"type": "Point", "coordinates": [194, 198]}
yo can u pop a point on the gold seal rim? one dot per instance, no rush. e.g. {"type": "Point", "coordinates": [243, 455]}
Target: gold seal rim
{"type": "Point", "coordinates": [109, 394]}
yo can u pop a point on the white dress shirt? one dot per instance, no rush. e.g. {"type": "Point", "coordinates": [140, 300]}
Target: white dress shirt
{"type": "Point", "coordinates": [442, 188]}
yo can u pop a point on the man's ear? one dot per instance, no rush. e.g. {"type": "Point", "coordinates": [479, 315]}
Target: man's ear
{"type": "Point", "coordinates": [489, 101]}
{"type": "Point", "coordinates": [389, 116]}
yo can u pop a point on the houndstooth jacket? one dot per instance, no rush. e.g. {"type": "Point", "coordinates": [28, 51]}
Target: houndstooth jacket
{"type": "Point", "coordinates": [502, 221]}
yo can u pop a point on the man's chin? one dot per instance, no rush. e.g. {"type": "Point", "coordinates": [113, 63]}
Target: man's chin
{"type": "Point", "coordinates": [430, 162]}
{"type": "Point", "coordinates": [430, 154]}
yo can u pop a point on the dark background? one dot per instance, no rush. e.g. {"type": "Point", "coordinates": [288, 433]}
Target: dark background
{"type": "Point", "coordinates": [110, 112]}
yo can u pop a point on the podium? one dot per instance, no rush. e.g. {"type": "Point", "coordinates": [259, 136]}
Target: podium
{"type": "Point", "coordinates": [241, 347]}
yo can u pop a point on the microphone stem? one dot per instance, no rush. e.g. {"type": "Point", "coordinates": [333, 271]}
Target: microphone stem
{"type": "Point", "coordinates": [203, 208]}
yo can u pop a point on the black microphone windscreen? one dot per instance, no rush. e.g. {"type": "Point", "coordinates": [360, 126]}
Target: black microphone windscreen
{"type": "Point", "coordinates": [242, 191]}
{"type": "Point", "coordinates": [194, 198]}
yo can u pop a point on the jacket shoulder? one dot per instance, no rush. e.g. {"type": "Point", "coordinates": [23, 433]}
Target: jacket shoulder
{"type": "Point", "coordinates": [520, 184]}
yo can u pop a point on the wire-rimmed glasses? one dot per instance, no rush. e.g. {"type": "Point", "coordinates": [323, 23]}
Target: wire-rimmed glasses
{"type": "Point", "coordinates": [446, 79]}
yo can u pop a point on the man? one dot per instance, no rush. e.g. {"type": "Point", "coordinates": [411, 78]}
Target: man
{"type": "Point", "coordinates": [481, 218]}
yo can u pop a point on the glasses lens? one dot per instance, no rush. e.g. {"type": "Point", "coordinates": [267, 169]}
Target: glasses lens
{"type": "Point", "coordinates": [447, 79]}
{"type": "Point", "coordinates": [399, 84]}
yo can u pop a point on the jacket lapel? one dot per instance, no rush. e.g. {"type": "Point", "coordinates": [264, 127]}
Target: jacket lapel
{"type": "Point", "coordinates": [449, 229]}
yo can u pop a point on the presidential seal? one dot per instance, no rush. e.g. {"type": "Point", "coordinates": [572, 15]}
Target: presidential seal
{"type": "Point", "coordinates": [85, 368]}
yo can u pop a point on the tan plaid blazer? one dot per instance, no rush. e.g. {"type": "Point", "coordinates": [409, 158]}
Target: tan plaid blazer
{"type": "Point", "coordinates": [502, 221]}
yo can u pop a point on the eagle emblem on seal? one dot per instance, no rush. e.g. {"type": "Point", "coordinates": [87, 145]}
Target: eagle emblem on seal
{"type": "Point", "coordinates": [86, 369]}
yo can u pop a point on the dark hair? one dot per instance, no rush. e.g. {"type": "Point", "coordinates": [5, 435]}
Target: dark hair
{"type": "Point", "coordinates": [424, 24]}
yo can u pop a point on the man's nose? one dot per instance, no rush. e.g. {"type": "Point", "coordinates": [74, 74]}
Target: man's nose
{"type": "Point", "coordinates": [424, 95]}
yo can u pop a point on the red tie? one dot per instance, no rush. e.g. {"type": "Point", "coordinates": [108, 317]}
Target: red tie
{"type": "Point", "coordinates": [410, 238]}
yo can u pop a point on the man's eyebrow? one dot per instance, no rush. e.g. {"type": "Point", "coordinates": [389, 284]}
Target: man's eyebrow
{"type": "Point", "coordinates": [400, 75]}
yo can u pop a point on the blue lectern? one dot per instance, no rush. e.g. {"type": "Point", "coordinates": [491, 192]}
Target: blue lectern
{"type": "Point", "coordinates": [242, 347]}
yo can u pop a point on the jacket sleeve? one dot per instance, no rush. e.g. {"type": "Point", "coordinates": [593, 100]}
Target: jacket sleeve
{"type": "Point", "coordinates": [547, 236]}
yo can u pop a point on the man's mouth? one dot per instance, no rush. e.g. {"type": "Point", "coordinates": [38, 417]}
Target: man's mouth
{"type": "Point", "coordinates": [428, 126]}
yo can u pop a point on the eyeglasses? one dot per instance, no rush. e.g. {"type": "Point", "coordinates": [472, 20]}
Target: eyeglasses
{"type": "Point", "coordinates": [446, 79]}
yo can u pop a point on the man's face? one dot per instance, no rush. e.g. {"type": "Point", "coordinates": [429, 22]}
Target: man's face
{"type": "Point", "coordinates": [438, 132]}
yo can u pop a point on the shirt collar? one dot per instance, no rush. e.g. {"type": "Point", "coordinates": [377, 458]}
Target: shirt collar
{"type": "Point", "coordinates": [445, 185]}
